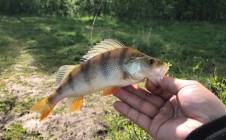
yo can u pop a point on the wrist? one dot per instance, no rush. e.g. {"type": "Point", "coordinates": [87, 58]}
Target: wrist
{"type": "Point", "coordinates": [212, 130]}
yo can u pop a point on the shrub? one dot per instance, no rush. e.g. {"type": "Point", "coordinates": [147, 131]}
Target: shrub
{"type": "Point", "coordinates": [37, 7]}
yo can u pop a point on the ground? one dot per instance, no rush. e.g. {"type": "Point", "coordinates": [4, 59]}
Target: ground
{"type": "Point", "coordinates": [22, 85]}
{"type": "Point", "coordinates": [31, 51]}
{"type": "Point", "coordinates": [85, 124]}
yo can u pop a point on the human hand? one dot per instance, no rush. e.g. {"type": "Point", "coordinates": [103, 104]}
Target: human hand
{"type": "Point", "coordinates": [170, 111]}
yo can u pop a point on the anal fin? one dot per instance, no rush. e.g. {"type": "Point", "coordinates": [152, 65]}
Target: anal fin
{"type": "Point", "coordinates": [110, 91]}
{"type": "Point", "coordinates": [74, 103]}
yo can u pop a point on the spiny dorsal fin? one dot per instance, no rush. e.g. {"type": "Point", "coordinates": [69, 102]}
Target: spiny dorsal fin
{"type": "Point", "coordinates": [62, 73]}
{"type": "Point", "coordinates": [102, 47]}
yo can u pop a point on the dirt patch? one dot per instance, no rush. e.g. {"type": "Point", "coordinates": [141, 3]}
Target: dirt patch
{"type": "Point", "coordinates": [85, 124]}
{"type": "Point", "coordinates": [82, 125]}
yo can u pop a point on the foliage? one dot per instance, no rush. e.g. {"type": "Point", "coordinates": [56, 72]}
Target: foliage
{"type": "Point", "coordinates": [218, 87]}
{"type": "Point", "coordinates": [157, 9]}
{"type": "Point", "coordinates": [144, 10]}
{"type": "Point", "coordinates": [93, 7]}
{"type": "Point", "coordinates": [170, 9]}
{"type": "Point", "coordinates": [38, 7]}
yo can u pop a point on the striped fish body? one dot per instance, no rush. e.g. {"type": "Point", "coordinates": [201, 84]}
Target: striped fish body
{"type": "Point", "coordinates": [116, 67]}
{"type": "Point", "coordinates": [98, 73]}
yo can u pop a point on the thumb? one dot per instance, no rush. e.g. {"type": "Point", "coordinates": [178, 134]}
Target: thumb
{"type": "Point", "coordinates": [174, 85]}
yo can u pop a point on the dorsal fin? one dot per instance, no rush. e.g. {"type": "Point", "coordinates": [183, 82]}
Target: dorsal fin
{"type": "Point", "coordinates": [102, 47]}
{"type": "Point", "coordinates": [62, 73]}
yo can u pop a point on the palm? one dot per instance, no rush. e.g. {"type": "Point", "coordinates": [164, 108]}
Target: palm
{"type": "Point", "coordinates": [171, 122]}
{"type": "Point", "coordinates": [171, 111]}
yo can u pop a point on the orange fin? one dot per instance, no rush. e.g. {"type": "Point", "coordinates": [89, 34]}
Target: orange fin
{"type": "Point", "coordinates": [74, 103]}
{"type": "Point", "coordinates": [42, 107]}
{"type": "Point", "coordinates": [110, 91]}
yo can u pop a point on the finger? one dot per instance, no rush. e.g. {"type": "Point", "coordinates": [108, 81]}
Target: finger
{"type": "Point", "coordinates": [138, 118]}
{"type": "Point", "coordinates": [145, 95]}
{"type": "Point", "coordinates": [166, 113]}
{"type": "Point", "coordinates": [158, 91]}
{"type": "Point", "coordinates": [152, 88]}
{"type": "Point", "coordinates": [169, 85]}
{"type": "Point", "coordinates": [137, 103]}
{"type": "Point", "coordinates": [172, 85]}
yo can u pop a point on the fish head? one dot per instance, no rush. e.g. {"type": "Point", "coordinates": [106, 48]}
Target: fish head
{"type": "Point", "coordinates": [147, 67]}
{"type": "Point", "coordinates": [154, 69]}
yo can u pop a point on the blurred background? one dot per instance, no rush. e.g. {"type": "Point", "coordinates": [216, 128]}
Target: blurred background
{"type": "Point", "coordinates": [39, 36]}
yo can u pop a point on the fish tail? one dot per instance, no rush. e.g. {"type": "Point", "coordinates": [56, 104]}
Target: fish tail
{"type": "Point", "coordinates": [42, 107]}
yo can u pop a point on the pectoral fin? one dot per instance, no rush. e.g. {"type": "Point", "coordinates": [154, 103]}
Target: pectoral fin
{"type": "Point", "coordinates": [110, 91]}
{"type": "Point", "coordinates": [74, 103]}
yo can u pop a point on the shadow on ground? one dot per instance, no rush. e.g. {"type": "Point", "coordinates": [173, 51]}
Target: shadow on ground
{"type": "Point", "coordinates": [56, 41]}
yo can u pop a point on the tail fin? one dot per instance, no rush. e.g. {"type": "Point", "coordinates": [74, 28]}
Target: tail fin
{"type": "Point", "coordinates": [42, 107]}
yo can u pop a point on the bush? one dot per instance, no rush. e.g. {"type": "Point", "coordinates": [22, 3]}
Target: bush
{"type": "Point", "coordinates": [37, 7]}
{"type": "Point", "coordinates": [211, 10]}
{"type": "Point", "coordinates": [93, 7]}
{"type": "Point", "coordinates": [171, 9]}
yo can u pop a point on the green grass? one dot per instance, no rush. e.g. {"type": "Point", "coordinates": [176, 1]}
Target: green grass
{"type": "Point", "coordinates": [123, 129]}
{"type": "Point", "coordinates": [196, 50]}
{"type": "Point", "coordinates": [16, 132]}
{"type": "Point", "coordinates": [57, 41]}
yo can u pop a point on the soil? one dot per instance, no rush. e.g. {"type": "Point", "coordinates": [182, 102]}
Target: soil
{"type": "Point", "coordinates": [86, 124]}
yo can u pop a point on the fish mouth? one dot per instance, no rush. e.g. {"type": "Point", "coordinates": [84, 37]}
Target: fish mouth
{"type": "Point", "coordinates": [157, 75]}
{"type": "Point", "coordinates": [163, 72]}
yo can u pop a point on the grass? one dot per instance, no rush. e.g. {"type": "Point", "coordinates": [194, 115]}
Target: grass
{"type": "Point", "coordinates": [123, 129]}
{"type": "Point", "coordinates": [16, 132]}
{"type": "Point", "coordinates": [196, 51]}
{"type": "Point", "coordinates": [57, 41]}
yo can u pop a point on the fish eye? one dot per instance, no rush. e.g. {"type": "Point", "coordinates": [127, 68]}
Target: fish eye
{"type": "Point", "coordinates": [151, 61]}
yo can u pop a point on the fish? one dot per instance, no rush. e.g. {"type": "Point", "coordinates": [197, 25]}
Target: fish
{"type": "Point", "coordinates": [107, 67]}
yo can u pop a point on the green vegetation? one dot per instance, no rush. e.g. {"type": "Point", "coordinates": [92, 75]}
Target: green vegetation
{"type": "Point", "coordinates": [196, 51]}
{"type": "Point", "coordinates": [191, 10]}
{"type": "Point", "coordinates": [188, 35]}
{"type": "Point", "coordinates": [218, 87]}
{"type": "Point", "coordinates": [170, 9]}
{"type": "Point", "coordinates": [123, 129]}
{"type": "Point", "coordinates": [50, 7]}
{"type": "Point", "coordinates": [16, 132]}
